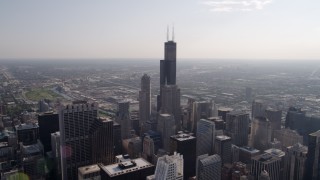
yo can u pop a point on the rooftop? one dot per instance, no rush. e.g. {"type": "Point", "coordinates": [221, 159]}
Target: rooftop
{"type": "Point", "coordinates": [89, 169]}
{"type": "Point", "coordinates": [183, 136]}
{"type": "Point", "coordinates": [249, 149]}
{"type": "Point", "coordinates": [223, 137]}
{"type": "Point", "coordinates": [275, 152]}
{"type": "Point", "coordinates": [234, 113]}
{"type": "Point", "coordinates": [225, 109]}
{"type": "Point", "coordinates": [165, 115]}
{"type": "Point", "coordinates": [266, 158]}
{"type": "Point", "coordinates": [116, 170]}
{"type": "Point", "coordinates": [26, 126]}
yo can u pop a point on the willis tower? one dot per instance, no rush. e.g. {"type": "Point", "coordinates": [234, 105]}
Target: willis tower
{"type": "Point", "coordinates": [169, 99]}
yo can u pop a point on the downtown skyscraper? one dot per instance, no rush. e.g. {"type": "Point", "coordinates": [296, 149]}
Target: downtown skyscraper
{"type": "Point", "coordinates": [169, 99]}
{"type": "Point", "coordinates": [85, 138]}
{"type": "Point", "coordinates": [144, 100]}
{"type": "Point", "coordinates": [237, 127]}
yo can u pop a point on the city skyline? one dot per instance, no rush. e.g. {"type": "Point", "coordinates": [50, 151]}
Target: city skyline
{"type": "Point", "coordinates": [220, 29]}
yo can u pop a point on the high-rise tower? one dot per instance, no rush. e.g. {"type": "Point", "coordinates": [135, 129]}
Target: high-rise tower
{"type": "Point", "coordinates": [168, 65]}
{"type": "Point", "coordinates": [75, 123]}
{"type": "Point", "coordinates": [144, 100]}
{"type": "Point", "coordinates": [169, 98]}
{"type": "Point", "coordinates": [206, 135]}
{"type": "Point", "coordinates": [237, 127]}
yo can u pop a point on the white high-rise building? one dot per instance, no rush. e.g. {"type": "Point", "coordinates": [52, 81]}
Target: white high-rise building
{"type": "Point", "coordinates": [205, 137]}
{"type": "Point", "coordinates": [169, 167]}
{"type": "Point", "coordinates": [144, 100]}
{"type": "Point", "coordinates": [208, 167]}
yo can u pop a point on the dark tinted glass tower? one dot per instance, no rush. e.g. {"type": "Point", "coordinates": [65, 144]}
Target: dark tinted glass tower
{"type": "Point", "coordinates": [168, 65]}
{"type": "Point", "coordinates": [185, 144]}
{"type": "Point", "coordinates": [48, 123]}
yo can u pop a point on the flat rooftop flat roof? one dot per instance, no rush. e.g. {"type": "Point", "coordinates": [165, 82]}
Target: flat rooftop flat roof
{"type": "Point", "coordinates": [249, 149]}
{"type": "Point", "coordinates": [27, 126]}
{"type": "Point", "coordinates": [115, 170]}
{"type": "Point", "coordinates": [183, 136]}
{"type": "Point", "coordinates": [223, 137]}
{"type": "Point", "coordinates": [88, 169]}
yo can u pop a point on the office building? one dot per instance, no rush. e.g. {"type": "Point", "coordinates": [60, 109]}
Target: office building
{"type": "Point", "coordinates": [223, 148]}
{"type": "Point", "coordinates": [170, 103]}
{"type": "Point", "coordinates": [313, 158]}
{"type": "Point", "coordinates": [218, 122]}
{"type": "Point", "coordinates": [185, 144]}
{"type": "Point", "coordinates": [237, 127]}
{"type": "Point", "coordinates": [234, 171]}
{"type": "Point", "coordinates": [169, 99]}
{"type": "Point", "coordinates": [295, 162]}
{"type": "Point", "coordinates": [302, 122]}
{"type": "Point", "coordinates": [32, 160]}
{"type": "Point", "coordinates": [200, 110]}
{"type": "Point", "coordinates": [134, 147]}
{"type": "Point", "coordinates": [151, 144]}
{"type": "Point", "coordinates": [169, 167]}
{"type": "Point", "coordinates": [274, 116]}
{"type": "Point", "coordinates": [56, 155]}
{"type": "Point", "coordinates": [28, 133]}
{"type": "Point", "coordinates": [130, 169]}
{"type": "Point", "coordinates": [287, 137]}
{"type": "Point", "coordinates": [223, 111]}
{"type": "Point", "coordinates": [48, 123]}
{"type": "Point", "coordinates": [267, 162]}
{"type": "Point", "coordinates": [258, 109]}
{"type": "Point", "coordinates": [168, 65]}
{"type": "Point", "coordinates": [205, 137]}
{"type": "Point", "coordinates": [235, 152]}
{"type": "Point", "coordinates": [246, 153]}
{"type": "Point", "coordinates": [101, 133]}
{"type": "Point", "coordinates": [144, 100]}
{"type": "Point", "coordinates": [124, 119]}
{"type": "Point", "coordinates": [90, 172]}
{"type": "Point", "coordinates": [208, 167]}
{"type": "Point", "coordinates": [117, 141]}
{"type": "Point", "coordinates": [166, 128]}
{"type": "Point", "coordinates": [261, 133]}
{"type": "Point", "coordinates": [79, 129]}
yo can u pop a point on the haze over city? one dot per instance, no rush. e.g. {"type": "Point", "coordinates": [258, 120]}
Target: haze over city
{"type": "Point", "coordinates": [212, 29]}
{"type": "Point", "coordinates": [159, 90]}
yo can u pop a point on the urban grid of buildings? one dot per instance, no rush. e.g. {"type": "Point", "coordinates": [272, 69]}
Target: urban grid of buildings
{"type": "Point", "coordinates": [161, 140]}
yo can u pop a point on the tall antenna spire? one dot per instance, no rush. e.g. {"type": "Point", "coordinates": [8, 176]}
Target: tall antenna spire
{"type": "Point", "coordinates": [168, 33]}
{"type": "Point", "coordinates": [173, 32]}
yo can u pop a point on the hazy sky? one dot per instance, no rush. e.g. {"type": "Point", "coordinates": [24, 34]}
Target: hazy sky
{"type": "Point", "coordinates": [245, 29]}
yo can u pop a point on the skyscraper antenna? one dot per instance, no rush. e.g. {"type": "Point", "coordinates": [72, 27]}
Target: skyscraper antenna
{"type": "Point", "coordinates": [168, 33]}
{"type": "Point", "coordinates": [172, 32]}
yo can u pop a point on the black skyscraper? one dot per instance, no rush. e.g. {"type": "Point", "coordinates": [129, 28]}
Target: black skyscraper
{"type": "Point", "coordinates": [48, 123]}
{"type": "Point", "coordinates": [168, 65]}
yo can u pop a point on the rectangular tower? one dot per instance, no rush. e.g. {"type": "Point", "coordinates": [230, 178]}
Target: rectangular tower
{"type": "Point", "coordinates": [237, 127]}
{"type": "Point", "coordinates": [75, 121]}
{"type": "Point", "coordinates": [185, 144]}
{"type": "Point", "coordinates": [206, 135]}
